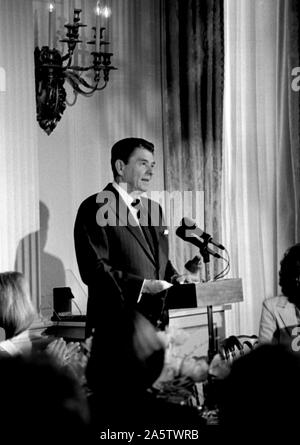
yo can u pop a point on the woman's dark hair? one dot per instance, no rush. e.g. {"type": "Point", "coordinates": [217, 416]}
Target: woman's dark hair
{"type": "Point", "coordinates": [124, 148]}
{"type": "Point", "coordinates": [289, 273]}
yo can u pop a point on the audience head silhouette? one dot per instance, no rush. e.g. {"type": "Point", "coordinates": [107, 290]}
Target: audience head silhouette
{"type": "Point", "coordinates": [262, 390]}
{"type": "Point", "coordinates": [41, 403]}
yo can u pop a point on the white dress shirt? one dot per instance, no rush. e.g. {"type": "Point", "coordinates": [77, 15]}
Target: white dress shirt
{"type": "Point", "coordinates": [128, 199]}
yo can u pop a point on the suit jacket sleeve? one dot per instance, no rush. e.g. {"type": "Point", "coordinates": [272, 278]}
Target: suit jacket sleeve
{"type": "Point", "coordinates": [170, 270]}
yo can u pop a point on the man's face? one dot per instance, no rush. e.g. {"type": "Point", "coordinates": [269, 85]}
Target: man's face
{"type": "Point", "coordinates": [137, 173]}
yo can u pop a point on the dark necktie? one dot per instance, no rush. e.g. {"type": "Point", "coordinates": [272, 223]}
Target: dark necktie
{"type": "Point", "coordinates": [145, 225]}
{"type": "Point", "coordinates": [136, 203]}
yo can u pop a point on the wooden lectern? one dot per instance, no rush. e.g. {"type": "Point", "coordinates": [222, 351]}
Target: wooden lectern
{"type": "Point", "coordinates": [208, 294]}
{"type": "Point", "coordinates": [213, 293]}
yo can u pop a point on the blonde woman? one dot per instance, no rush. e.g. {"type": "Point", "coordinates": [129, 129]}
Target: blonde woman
{"type": "Point", "coordinates": [16, 317]}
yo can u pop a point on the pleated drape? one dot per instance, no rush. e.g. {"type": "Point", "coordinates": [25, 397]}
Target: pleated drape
{"type": "Point", "coordinates": [193, 59]}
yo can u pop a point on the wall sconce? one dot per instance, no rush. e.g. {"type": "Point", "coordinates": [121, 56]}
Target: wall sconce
{"type": "Point", "coordinates": [52, 69]}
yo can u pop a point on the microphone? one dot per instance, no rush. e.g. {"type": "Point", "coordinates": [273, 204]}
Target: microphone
{"type": "Point", "coordinates": [192, 230]}
{"type": "Point", "coordinates": [194, 239]}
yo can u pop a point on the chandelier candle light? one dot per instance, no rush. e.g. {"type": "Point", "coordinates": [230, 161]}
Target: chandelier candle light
{"type": "Point", "coordinates": [52, 68]}
{"type": "Point", "coordinates": [50, 39]}
{"type": "Point", "coordinates": [98, 27]}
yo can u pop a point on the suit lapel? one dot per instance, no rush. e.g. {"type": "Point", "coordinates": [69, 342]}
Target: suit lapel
{"type": "Point", "coordinates": [156, 227]}
{"type": "Point", "coordinates": [287, 313]}
{"type": "Point", "coordinates": [122, 212]}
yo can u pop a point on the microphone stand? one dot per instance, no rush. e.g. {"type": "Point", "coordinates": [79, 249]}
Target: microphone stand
{"type": "Point", "coordinates": [211, 334]}
{"type": "Point", "coordinates": [209, 387]}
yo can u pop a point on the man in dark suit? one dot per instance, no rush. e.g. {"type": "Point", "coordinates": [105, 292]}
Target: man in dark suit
{"type": "Point", "coordinates": [121, 242]}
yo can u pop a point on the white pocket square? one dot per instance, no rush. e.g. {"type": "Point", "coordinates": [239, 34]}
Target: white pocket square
{"type": "Point", "coordinates": [166, 232]}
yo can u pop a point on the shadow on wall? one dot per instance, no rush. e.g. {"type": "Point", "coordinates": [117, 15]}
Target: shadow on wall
{"type": "Point", "coordinates": [51, 267]}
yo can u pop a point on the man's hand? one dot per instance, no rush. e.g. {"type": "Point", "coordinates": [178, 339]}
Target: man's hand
{"type": "Point", "coordinates": [181, 279]}
{"type": "Point", "coordinates": [219, 368]}
{"type": "Point", "coordinates": [145, 338]}
{"type": "Point", "coordinates": [62, 352]}
{"type": "Point", "coordinates": [57, 350]}
{"type": "Point", "coordinates": [155, 286]}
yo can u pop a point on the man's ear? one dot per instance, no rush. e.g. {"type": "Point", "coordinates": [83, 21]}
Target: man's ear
{"type": "Point", "coordinates": [119, 165]}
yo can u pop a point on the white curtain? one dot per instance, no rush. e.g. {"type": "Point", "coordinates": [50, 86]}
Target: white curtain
{"type": "Point", "coordinates": [260, 207]}
{"type": "Point", "coordinates": [19, 219]}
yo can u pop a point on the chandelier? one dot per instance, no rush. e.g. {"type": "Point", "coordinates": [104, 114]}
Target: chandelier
{"type": "Point", "coordinates": [52, 68]}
